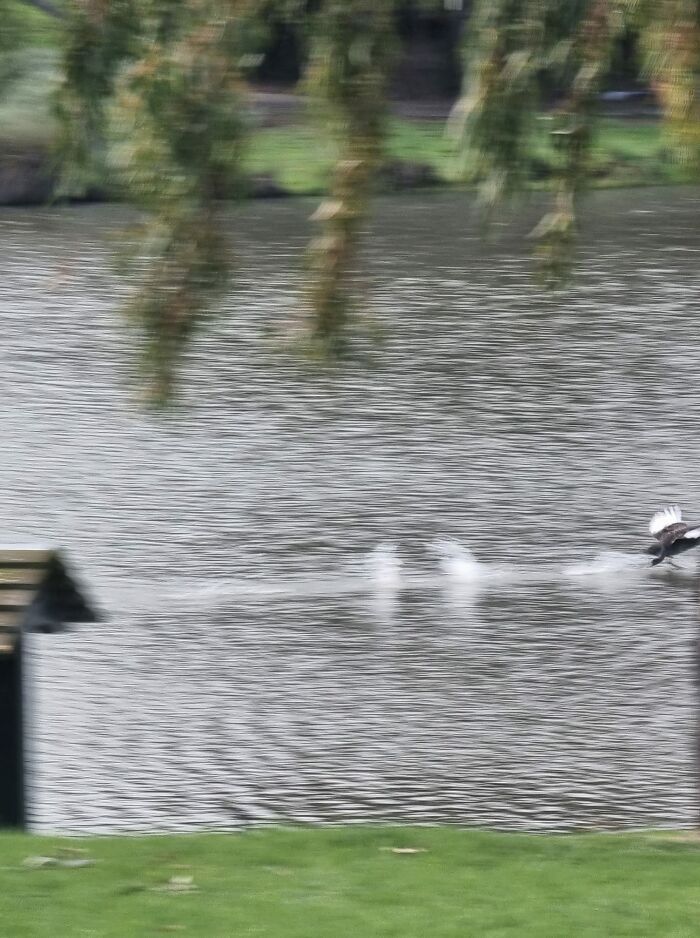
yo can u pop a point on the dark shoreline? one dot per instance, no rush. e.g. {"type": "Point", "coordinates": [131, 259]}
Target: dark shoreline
{"type": "Point", "coordinates": [28, 177]}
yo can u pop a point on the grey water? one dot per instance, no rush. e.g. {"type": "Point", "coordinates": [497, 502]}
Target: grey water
{"type": "Point", "coordinates": [407, 588]}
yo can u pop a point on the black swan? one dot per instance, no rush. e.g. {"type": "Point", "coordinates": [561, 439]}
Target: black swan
{"type": "Point", "coordinates": [672, 533]}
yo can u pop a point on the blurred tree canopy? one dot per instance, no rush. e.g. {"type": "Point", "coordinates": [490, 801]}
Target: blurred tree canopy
{"type": "Point", "coordinates": [154, 92]}
{"type": "Point", "coordinates": [514, 43]}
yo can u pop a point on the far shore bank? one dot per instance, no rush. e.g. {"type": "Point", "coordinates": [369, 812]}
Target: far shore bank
{"type": "Point", "coordinates": [286, 160]}
{"type": "Point", "coordinates": [287, 154]}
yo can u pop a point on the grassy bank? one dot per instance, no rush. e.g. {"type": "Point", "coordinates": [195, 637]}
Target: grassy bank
{"type": "Point", "coordinates": [352, 882]}
{"type": "Point", "coordinates": [38, 29]}
{"type": "Point", "coordinates": [626, 152]}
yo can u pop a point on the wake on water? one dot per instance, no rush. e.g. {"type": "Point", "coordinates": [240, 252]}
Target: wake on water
{"type": "Point", "coordinates": [383, 566]}
{"type": "Point", "coordinates": [383, 573]}
{"type": "Point", "coordinates": [607, 562]}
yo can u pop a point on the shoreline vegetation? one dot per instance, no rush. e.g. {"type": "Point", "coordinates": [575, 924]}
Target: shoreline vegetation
{"type": "Point", "coordinates": [286, 155]}
{"type": "Point", "coordinates": [410, 882]}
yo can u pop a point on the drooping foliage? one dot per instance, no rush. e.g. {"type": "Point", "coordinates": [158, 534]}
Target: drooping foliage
{"type": "Point", "coordinates": [493, 119]}
{"type": "Point", "coordinates": [672, 46]}
{"type": "Point", "coordinates": [348, 76]}
{"type": "Point", "coordinates": [98, 38]}
{"type": "Point", "coordinates": [160, 79]}
{"type": "Point", "coordinates": [590, 54]}
{"type": "Point", "coordinates": [511, 44]}
{"type": "Point", "coordinates": [177, 130]}
{"type": "Point", "coordinates": [152, 98]}
{"type": "Point", "coordinates": [179, 119]}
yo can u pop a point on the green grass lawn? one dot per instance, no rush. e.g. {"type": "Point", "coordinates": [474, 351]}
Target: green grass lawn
{"type": "Point", "coordinates": [38, 28]}
{"type": "Point", "coordinates": [25, 102]}
{"type": "Point", "coordinates": [625, 152]}
{"type": "Point", "coordinates": [26, 117]}
{"type": "Point", "coordinates": [300, 157]}
{"type": "Point", "coordinates": [349, 883]}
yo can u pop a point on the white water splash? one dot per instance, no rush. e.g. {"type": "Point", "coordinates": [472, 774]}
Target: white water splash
{"type": "Point", "coordinates": [384, 567]}
{"type": "Point", "coordinates": [607, 562]}
{"type": "Point", "coordinates": [456, 560]}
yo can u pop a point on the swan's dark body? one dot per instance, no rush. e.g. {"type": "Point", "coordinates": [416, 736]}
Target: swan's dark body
{"type": "Point", "coordinates": [673, 535]}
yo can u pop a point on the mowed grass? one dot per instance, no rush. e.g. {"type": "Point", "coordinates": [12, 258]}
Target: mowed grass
{"type": "Point", "coordinates": [350, 882]}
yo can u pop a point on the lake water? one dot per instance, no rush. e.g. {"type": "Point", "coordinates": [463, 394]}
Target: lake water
{"type": "Point", "coordinates": [406, 589]}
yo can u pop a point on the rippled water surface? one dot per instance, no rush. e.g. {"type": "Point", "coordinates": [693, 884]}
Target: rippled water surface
{"type": "Point", "coordinates": [296, 628]}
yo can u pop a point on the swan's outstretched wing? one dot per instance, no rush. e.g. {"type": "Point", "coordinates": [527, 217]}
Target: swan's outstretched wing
{"type": "Point", "coordinates": [665, 519]}
{"type": "Point", "coordinates": [674, 536]}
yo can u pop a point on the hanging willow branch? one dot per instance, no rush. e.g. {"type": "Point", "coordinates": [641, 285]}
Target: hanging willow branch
{"type": "Point", "coordinates": [672, 44]}
{"type": "Point", "coordinates": [180, 116]}
{"type": "Point", "coordinates": [510, 42]}
{"type": "Point", "coordinates": [175, 63]}
{"type": "Point", "coordinates": [493, 119]}
{"type": "Point", "coordinates": [98, 38]}
{"type": "Point", "coordinates": [574, 120]}
{"type": "Point", "coordinates": [348, 76]}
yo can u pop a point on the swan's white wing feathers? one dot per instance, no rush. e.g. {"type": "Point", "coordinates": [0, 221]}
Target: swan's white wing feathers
{"type": "Point", "coordinates": [662, 519]}
{"type": "Point", "coordinates": [693, 534]}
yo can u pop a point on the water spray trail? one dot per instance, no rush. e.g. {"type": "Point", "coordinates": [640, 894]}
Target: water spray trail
{"type": "Point", "coordinates": [384, 568]}
{"type": "Point", "coordinates": [609, 562]}
{"type": "Point", "coordinates": [457, 561]}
